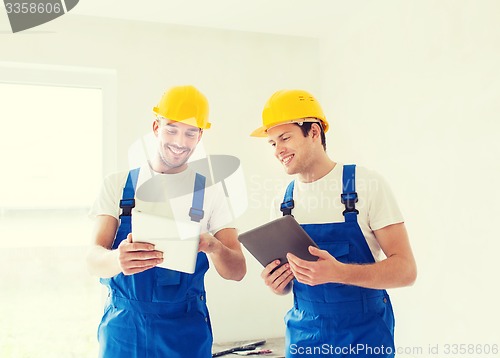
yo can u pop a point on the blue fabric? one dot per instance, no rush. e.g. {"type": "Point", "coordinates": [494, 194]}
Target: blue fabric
{"type": "Point", "coordinates": [349, 179]}
{"type": "Point", "coordinates": [196, 213]}
{"type": "Point", "coordinates": [288, 204]}
{"type": "Point", "coordinates": [159, 312]}
{"type": "Point", "coordinates": [128, 196]}
{"type": "Point", "coordinates": [349, 197]}
{"type": "Point", "coordinates": [338, 320]}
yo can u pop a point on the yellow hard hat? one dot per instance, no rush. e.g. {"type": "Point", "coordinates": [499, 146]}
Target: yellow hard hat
{"type": "Point", "coordinates": [184, 104]}
{"type": "Point", "coordinates": [290, 106]}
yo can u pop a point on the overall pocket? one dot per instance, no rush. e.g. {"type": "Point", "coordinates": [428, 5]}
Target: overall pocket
{"type": "Point", "coordinates": [339, 249]}
{"type": "Point", "coordinates": [166, 277]}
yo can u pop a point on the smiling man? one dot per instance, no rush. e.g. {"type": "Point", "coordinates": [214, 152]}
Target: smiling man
{"type": "Point", "coordinates": [341, 307]}
{"type": "Point", "coordinates": [153, 311]}
{"type": "Point", "coordinates": [172, 152]}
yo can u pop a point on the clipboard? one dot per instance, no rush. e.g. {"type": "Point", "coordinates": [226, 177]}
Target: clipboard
{"type": "Point", "coordinates": [276, 238]}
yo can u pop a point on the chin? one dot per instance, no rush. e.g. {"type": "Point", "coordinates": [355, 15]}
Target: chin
{"type": "Point", "coordinates": [289, 170]}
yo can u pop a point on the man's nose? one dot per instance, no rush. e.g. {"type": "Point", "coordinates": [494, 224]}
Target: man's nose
{"type": "Point", "coordinates": [278, 149]}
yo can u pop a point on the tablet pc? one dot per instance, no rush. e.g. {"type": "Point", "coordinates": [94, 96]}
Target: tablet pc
{"type": "Point", "coordinates": [179, 254]}
{"type": "Point", "coordinates": [276, 238]}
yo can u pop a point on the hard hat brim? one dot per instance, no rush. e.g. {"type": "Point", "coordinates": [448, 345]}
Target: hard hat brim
{"type": "Point", "coordinates": [262, 131]}
{"type": "Point", "coordinates": [259, 132]}
{"type": "Point", "coordinates": [190, 121]}
{"type": "Point", "coordinates": [193, 122]}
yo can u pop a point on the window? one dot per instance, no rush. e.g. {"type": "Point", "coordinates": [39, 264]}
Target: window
{"type": "Point", "coordinates": [52, 125]}
{"type": "Point", "coordinates": [48, 135]}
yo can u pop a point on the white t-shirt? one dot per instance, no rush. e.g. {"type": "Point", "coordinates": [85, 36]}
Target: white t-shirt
{"type": "Point", "coordinates": [319, 202]}
{"type": "Point", "coordinates": [175, 200]}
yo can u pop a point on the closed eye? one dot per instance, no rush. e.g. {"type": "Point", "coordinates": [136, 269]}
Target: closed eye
{"type": "Point", "coordinates": [282, 138]}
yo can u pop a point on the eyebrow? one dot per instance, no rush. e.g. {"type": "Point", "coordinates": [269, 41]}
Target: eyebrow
{"type": "Point", "coordinates": [270, 141]}
{"type": "Point", "coordinates": [174, 124]}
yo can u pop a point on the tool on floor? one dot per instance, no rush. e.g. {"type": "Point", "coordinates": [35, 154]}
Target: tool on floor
{"type": "Point", "coordinates": [245, 347]}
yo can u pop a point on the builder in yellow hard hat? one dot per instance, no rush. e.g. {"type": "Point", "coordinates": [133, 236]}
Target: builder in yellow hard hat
{"type": "Point", "coordinates": [339, 300]}
{"type": "Point", "coordinates": [181, 117]}
{"type": "Point", "coordinates": [155, 310]}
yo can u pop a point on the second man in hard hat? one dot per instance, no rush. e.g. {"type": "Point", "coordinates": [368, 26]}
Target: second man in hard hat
{"type": "Point", "coordinates": [341, 307]}
{"type": "Point", "coordinates": [152, 311]}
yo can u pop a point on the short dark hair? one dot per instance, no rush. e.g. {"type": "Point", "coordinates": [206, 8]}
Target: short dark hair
{"type": "Point", "coordinates": [306, 128]}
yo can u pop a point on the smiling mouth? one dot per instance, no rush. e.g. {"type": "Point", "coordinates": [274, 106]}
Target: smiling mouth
{"type": "Point", "coordinates": [287, 159]}
{"type": "Point", "coordinates": [176, 151]}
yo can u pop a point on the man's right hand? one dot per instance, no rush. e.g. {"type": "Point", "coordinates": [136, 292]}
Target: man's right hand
{"type": "Point", "coordinates": [279, 280]}
{"type": "Point", "coordinates": [135, 257]}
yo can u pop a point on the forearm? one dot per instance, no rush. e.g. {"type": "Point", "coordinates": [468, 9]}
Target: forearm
{"type": "Point", "coordinates": [102, 262]}
{"type": "Point", "coordinates": [392, 272]}
{"type": "Point", "coordinates": [398, 270]}
{"type": "Point", "coordinates": [229, 263]}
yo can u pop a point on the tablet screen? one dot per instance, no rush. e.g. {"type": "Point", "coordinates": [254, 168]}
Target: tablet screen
{"type": "Point", "coordinates": [276, 238]}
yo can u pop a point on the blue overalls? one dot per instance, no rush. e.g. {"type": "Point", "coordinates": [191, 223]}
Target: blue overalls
{"type": "Point", "coordinates": [158, 313]}
{"type": "Point", "coordinates": [337, 320]}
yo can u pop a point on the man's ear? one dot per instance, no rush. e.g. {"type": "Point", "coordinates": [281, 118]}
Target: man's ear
{"type": "Point", "coordinates": [155, 128]}
{"type": "Point", "coordinates": [315, 131]}
{"type": "Point", "coordinates": [200, 135]}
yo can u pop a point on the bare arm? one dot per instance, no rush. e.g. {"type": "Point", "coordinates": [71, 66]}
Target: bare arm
{"type": "Point", "coordinates": [129, 258]}
{"type": "Point", "coordinates": [225, 251]}
{"type": "Point", "coordinates": [397, 270]}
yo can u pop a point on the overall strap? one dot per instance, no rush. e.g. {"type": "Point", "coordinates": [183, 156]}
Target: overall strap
{"type": "Point", "coordinates": [349, 197]}
{"type": "Point", "coordinates": [196, 212]}
{"type": "Point", "coordinates": [127, 201]}
{"type": "Point", "coordinates": [287, 205]}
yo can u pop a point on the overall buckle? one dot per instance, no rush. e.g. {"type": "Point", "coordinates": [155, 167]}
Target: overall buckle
{"type": "Point", "coordinates": [349, 200]}
{"type": "Point", "coordinates": [127, 205]}
{"type": "Point", "coordinates": [286, 207]}
{"type": "Point", "coordinates": [196, 214]}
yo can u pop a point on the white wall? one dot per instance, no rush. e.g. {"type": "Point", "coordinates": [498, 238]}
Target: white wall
{"type": "Point", "coordinates": [414, 91]}
{"type": "Point", "coordinates": [237, 71]}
